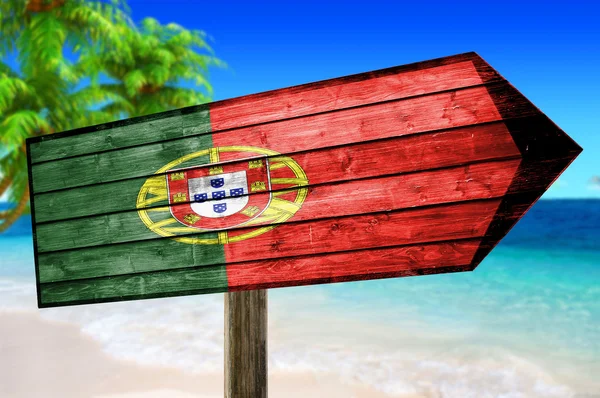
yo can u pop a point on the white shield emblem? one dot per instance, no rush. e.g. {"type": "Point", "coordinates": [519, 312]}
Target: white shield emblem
{"type": "Point", "coordinates": [219, 195]}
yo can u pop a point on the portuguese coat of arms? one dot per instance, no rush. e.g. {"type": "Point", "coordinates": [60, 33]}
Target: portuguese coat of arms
{"type": "Point", "coordinates": [220, 195]}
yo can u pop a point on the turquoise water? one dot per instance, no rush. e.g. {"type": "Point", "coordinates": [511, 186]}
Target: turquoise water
{"type": "Point", "coordinates": [536, 297]}
{"type": "Point", "coordinates": [16, 256]}
{"type": "Point", "coordinates": [532, 300]}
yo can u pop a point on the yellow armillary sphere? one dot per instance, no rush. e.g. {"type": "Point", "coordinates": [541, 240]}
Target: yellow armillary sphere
{"type": "Point", "coordinates": [218, 202]}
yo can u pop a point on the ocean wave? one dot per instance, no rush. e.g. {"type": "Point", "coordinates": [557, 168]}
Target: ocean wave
{"type": "Point", "coordinates": [182, 332]}
{"type": "Point", "coordinates": [464, 371]}
{"type": "Point", "coordinates": [187, 333]}
{"type": "Point", "coordinates": [17, 295]}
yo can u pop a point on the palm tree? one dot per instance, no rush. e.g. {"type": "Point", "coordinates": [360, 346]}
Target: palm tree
{"type": "Point", "coordinates": [150, 75]}
{"type": "Point", "coordinates": [19, 119]}
{"type": "Point", "coordinates": [41, 97]}
{"type": "Point", "coordinates": [146, 68]}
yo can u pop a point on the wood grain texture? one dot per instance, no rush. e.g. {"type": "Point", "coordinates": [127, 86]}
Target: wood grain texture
{"type": "Point", "coordinates": [464, 107]}
{"type": "Point", "coordinates": [546, 151]}
{"type": "Point", "coordinates": [354, 265]}
{"type": "Point", "coordinates": [418, 78]}
{"type": "Point", "coordinates": [123, 259]}
{"type": "Point", "coordinates": [132, 287]}
{"type": "Point", "coordinates": [457, 221]}
{"type": "Point", "coordinates": [295, 238]}
{"type": "Point", "coordinates": [246, 326]}
{"type": "Point", "coordinates": [325, 236]}
{"type": "Point", "coordinates": [419, 259]}
{"type": "Point", "coordinates": [124, 134]}
{"type": "Point", "coordinates": [412, 170]}
{"type": "Point", "coordinates": [341, 94]}
{"type": "Point", "coordinates": [114, 165]}
{"type": "Point", "coordinates": [326, 165]}
{"type": "Point", "coordinates": [355, 197]}
{"type": "Point", "coordinates": [376, 121]}
{"type": "Point", "coordinates": [327, 95]}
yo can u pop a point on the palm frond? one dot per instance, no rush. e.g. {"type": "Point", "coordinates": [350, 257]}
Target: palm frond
{"type": "Point", "coordinates": [95, 95]}
{"type": "Point", "coordinates": [12, 15]}
{"type": "Point", "coordinates": [134, 81]}
{"type": "Point", "coordinates": [16, 127]}
{"type": "Point", "coordinates": [41, 44]}
{"type": "Point", "coordinates": [12, 88]}
{"type": "Point", "coordinates": [146, 67]}
{"type": "Point", "coordinates": [93, 22]}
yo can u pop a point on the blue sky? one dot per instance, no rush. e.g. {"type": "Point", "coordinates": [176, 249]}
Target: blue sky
{"type": "Point", "coordinates": [550, 51]}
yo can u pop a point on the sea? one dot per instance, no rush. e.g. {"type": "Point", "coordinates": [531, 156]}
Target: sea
{"type": "Point", "coordinates": [525, 323]}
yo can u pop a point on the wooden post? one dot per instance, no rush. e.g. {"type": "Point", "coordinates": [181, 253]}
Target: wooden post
{"type": "Point", "coordinates": [246, 344]}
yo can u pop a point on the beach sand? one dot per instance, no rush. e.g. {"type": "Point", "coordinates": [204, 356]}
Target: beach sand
{"type": "Point", "coordinates": [41, 358]}
{"type": "Point", "coordinates": [517, 327]}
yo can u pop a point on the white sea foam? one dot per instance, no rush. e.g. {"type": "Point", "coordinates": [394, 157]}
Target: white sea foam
{"type": "Point", "coordinates": [17, 295]}
{"type": "Point", "coordinates": [465, 371]}
{"type": "Point", "coordinates": [187, 333]}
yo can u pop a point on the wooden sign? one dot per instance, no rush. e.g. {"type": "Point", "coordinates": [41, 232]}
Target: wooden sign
{"type": "Point", "coordinates": [412, 170]}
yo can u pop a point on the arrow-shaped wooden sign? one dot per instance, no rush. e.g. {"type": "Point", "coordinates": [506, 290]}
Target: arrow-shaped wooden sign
{"type": "Point", "coordinates": [412, 170]}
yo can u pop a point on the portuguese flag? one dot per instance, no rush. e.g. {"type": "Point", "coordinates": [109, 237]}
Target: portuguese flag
{"type": "Point", "coordinates": [411, 170]}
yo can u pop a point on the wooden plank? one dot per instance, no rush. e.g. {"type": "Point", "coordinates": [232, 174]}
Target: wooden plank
{"type": "Point", "coordinates": [124, 134]}
{"type": "Point", "coordinates": [457, 221]}
{"type": "Point", "coordinates": [403, 117]}
{"type": "Point", "coordinates": [129, 258]}
{"type": "Point", "coordinates": [350, 266]}
{"type": "Point", "coordinates": [115, 165]}
{"type": "Point", "coordinates": [464, 107]}
{"type": "Point", "coordinates": [478, 181]}
{"type": "Point", "coordinates": [246, 344]}
{"type": "Point", "coordinates": [386, 262]}
{"type": "Point", "coordinates": [329, 94]}
{"type": "Point", "coordinates": [361, 160]}
{"type": "Point", "coordinates": [341, 94]}
{"type": "Point", "coordinates": [134, 287]}
{"type": "Point", "coordinates": [405, 227]}
{"type": "Point", "coordinates": [153, 254]}
{"type": "Point", "coordinates": [392, 83]}
{"type": "Point", "coordinates": [106, 198]}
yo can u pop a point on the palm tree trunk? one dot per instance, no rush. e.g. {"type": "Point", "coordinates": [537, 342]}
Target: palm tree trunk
{"type": "Point", "coordinates": [4, 184]}
{"type": "Point", "coordinates": [12, 215]}
{"type": "Point", "coordinates": [43, 6]}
